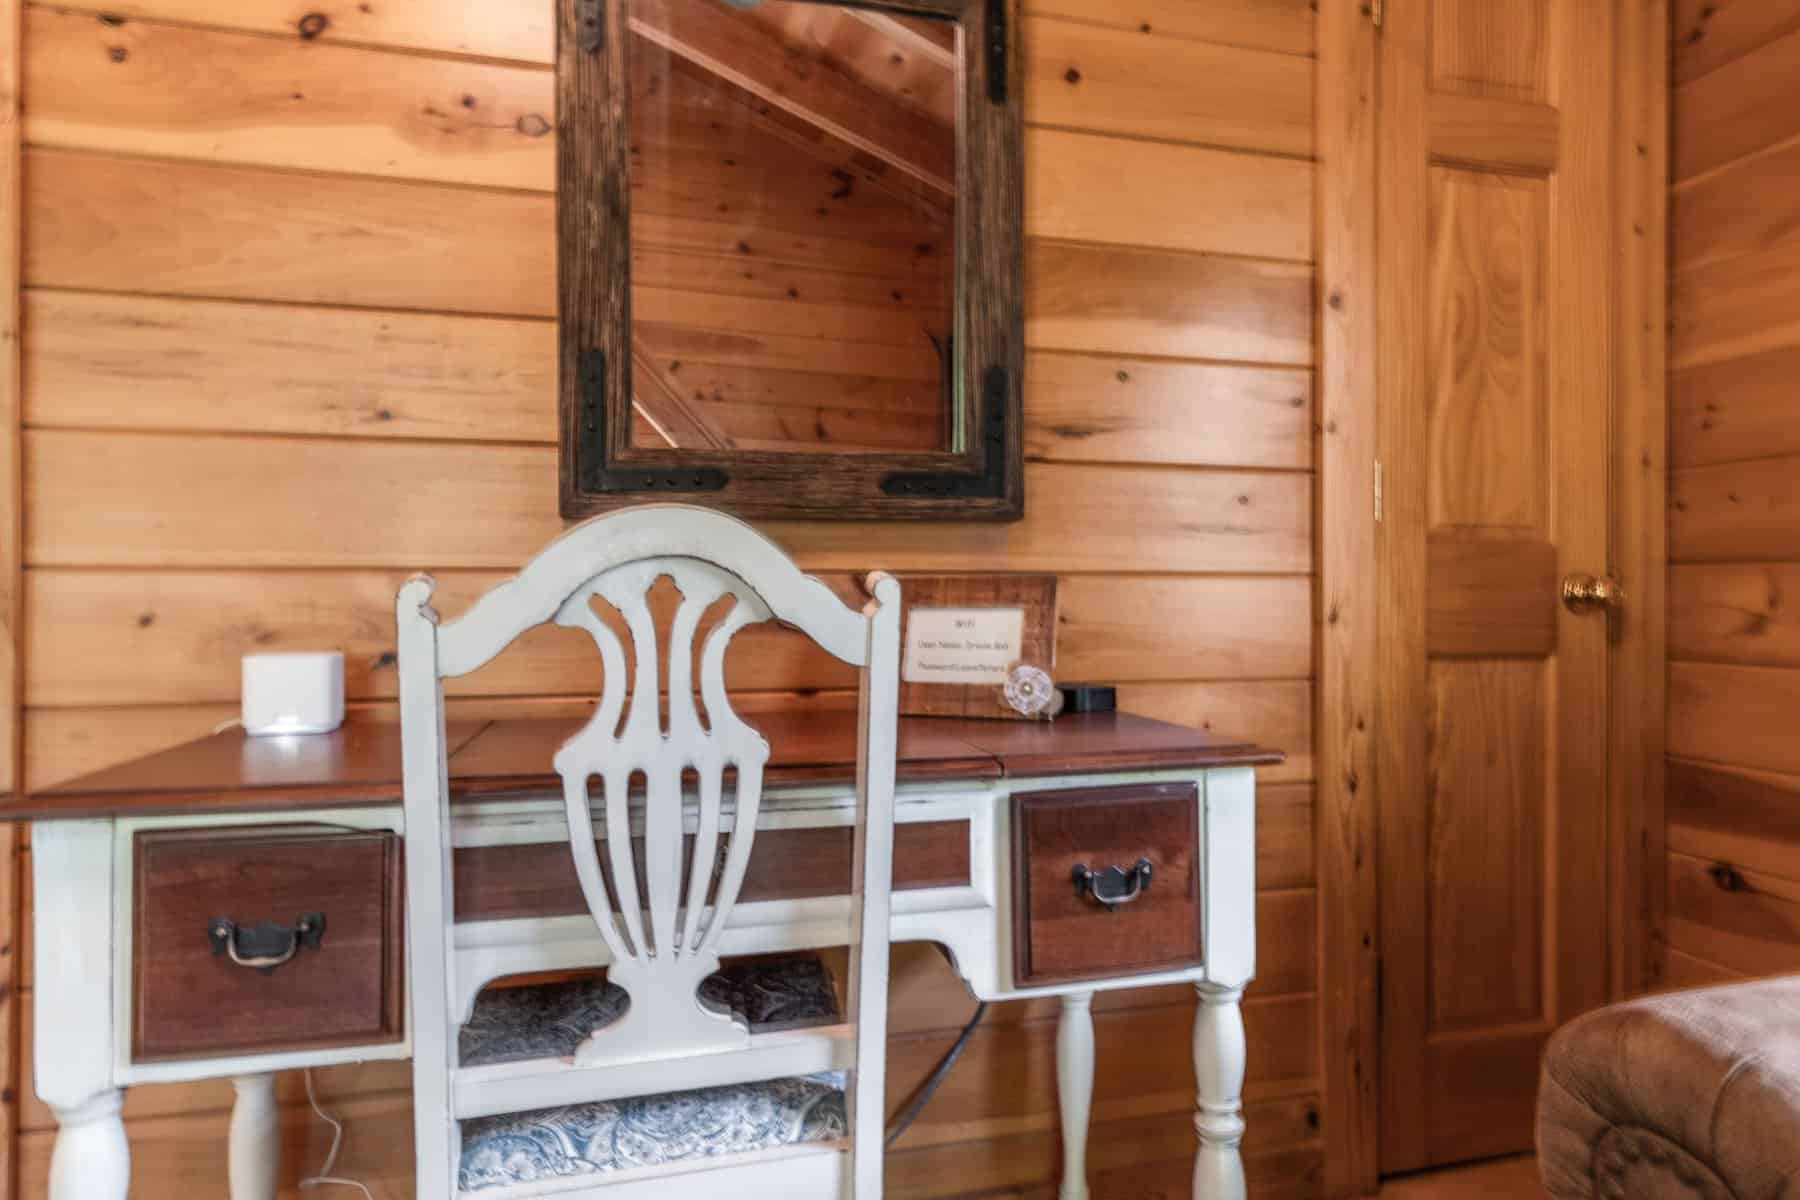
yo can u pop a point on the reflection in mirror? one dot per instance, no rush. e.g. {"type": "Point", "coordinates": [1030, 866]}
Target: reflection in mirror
{"type": "Point", "coordinates": [793, 258]}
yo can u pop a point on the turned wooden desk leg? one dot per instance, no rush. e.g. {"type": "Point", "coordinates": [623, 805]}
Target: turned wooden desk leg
{"type": "Point", "coordinates": [1075, 1088]}
{"type": "Point", "coordinates": [1219, 1070]}
{"type": "Point", "coordinates": [72, 1000]}
{"type": "Point", "coordinates": [92, 1159]}
{"type": "Point", "coordinates": [255, 1151]}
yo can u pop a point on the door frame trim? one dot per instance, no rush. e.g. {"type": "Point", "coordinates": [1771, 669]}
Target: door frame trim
{"type": "Point", "coordinates": [1637, 713]}
{"type": "Point", "coordinates": [1344, 697]}
{"type": "Point", "coordinates": [1348, 827]}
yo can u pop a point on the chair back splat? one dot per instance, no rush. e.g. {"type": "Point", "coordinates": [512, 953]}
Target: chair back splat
{"type": "Point", "coordinates": [661, 781]}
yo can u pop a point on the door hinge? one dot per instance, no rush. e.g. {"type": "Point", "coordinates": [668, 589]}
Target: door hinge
{"type": "Point", "coordinates": [590, 25]}
{"type": "Point", "coordinates": [1378, 492]}
{"type": "Point", "coordinates": [998, 48]}
{"type": "Point", "coordinates": [1373, 8]}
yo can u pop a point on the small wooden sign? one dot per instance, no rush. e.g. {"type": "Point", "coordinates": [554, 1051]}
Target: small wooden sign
{"type": "Point", "coordinates": [963, 635]}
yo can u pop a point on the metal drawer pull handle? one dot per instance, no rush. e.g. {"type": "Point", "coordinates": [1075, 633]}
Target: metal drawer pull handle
{"type": "Point", "coordinates": [265, 945]}
{"type": "Point", "coordinates": [1115, 885]}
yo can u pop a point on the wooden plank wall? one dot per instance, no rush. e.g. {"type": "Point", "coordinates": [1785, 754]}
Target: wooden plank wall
{"type": "Point", "coordinates": [289, 289]}
{"type": "Point", "coordinates": [1734, 524]}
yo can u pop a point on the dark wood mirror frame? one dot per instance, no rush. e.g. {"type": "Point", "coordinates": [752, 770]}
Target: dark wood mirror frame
{"type": "Point", "coordinates": [600, 469]}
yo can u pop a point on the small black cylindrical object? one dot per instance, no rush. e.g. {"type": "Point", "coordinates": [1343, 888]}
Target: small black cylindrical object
{"type": "Point", "coordinates": [1089, 697]}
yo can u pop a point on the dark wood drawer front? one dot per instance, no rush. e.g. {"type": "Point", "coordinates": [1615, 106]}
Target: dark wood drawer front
{"type": "Point", "coordinates": [1061, 933]}
{"type": "Point", "coordinates": [507, 882]}
{"type": "Point", "coordinates": [188, 999]}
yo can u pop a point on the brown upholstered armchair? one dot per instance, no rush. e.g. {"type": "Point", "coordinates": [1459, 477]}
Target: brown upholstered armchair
{"type": "Point", "coordinates": [1692, 1094]}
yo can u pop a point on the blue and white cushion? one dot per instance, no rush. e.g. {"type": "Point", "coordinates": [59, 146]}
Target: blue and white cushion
{"type": "Point", "coordinates": [552, 1020]}
{"type": "Point", "coordinates": [617, 1135]}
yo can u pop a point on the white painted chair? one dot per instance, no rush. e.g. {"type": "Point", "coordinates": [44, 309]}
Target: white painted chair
{"type": "Point", "coordinates": [660, 946]}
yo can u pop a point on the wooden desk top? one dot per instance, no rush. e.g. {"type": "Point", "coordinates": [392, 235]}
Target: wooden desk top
{"type": "Point", "coordinates": [360, 763]}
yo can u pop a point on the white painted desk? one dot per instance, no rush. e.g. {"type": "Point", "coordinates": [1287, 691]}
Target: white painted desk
{"type": "Point", "coordinates": [996, 894]}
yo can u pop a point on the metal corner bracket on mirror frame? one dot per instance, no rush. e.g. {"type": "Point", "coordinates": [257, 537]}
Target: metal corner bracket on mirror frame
{"type": "Point", "coordinates": [598, 467]}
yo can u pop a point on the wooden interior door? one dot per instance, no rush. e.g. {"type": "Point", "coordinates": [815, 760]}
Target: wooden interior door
{"type": "Point", "coordinates": [1495, 243]}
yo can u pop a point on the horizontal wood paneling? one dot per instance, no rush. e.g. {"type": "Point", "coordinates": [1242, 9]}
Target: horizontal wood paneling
{"type": "Point", "coordinates": [446, 26]}
{"type": "Point", "coordinates": [1287, 925]}
{"type": "Point", "coordinates": [104, 637]}
{"type": "Point", "coordinates": [1270, 197]}
{"type": "Point", "coordinates": [181, 92]}
{"type": "Point", "coordinates": [282, 351]}
{"type": "Point", "coordinates": [473, 28]}
{"type": "Point", "coordinates": [1081, 76]}
{"type": "Point", "coordinates": [102, 361]}
{"type": "Point", "coordinates": [183, 229]}
{"type": "Point", "coordinates": [1285, 815]}
{"type": "Point", "coordinates": [1237, 96]}
{"type": "Point", "coordinates": [1737, 306]}
{"type": "Point", "coordinates": [1711, 33]}
{"type": "Point", "coordinates": [1748, 207]}
{"type": "Point", "coordinates": [1113, 300]}
{"type": "Point", "coordinates": [147, 499]}
{"type": "Point", "coordinates": [1745, 613]}
{"type": "Point", "coordinates": [1734, 524]}
{"type": "Point", "coordinates": [1283, 25]}
{"type": "Point", "coordinates": [1274, 713]}
{"type": "Point", "coordinates": [1119, 629]}
{"type": "Point", "coordinates": [1736, 512]}
{"type": "Point", "coordinates": [110, 224]}
{"type": "Point", "coordinates": [1737, 109]}
{"type": "Point", "coordinates": [1736, 409]}
{"type": "Point", "coordinates": [101, 637]}
{"type": "Point", "coordinates": [1095, 408]}
{"type": "Point", "coordinates": [1682, 970]}
{"type": "Point", "coordinates": [1733, 818]}
{"type": "Point", "coordinates": [99, 361]}
{"type": "Point", "coordinates": [1736, 715]}
{"type": "Point", "coordinates": [1742, 920]}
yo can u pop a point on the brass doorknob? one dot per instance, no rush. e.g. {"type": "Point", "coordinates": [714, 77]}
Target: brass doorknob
{"type": "Point", "coordinates": [1583, 593]}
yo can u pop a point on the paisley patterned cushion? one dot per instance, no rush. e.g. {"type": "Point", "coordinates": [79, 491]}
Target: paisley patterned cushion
{"type": "Point", "coordinates": [588, 1139]}
{"type": "Point", "coordinates": [551, 1020]}
{"type": "Point", "coordinates": [772, 994]}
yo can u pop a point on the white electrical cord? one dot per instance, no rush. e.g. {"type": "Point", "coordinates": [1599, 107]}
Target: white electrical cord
{"type": "Point", "coordinates": [325, 1178]}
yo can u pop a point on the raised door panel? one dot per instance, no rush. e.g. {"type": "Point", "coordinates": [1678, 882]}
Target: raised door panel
{"type": "Point", "coordinates": [1487, 783]}
{"type": "Point", "coordinates": [1485, 351]}
{"type": "Point", "coordinates": [1485, 49]}
{"type": "Point", "coordinates": [1496, 183]}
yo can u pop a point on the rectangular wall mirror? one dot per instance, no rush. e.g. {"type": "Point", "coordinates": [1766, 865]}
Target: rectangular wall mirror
{"type": "Point", "coordinates": [791, 256]}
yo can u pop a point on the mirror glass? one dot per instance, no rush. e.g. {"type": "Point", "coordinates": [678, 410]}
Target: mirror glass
{"type": "Point", "coordinates": [793, 258]}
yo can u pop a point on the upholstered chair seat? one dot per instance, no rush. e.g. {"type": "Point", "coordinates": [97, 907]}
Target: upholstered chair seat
{"type": "Point", "coordinates": [550, 1020]}
{"type": "Point", "coordinates": [1688, 1096]}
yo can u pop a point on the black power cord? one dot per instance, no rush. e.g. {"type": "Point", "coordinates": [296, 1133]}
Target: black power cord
{"type": "Point", "coordinates": [915, 1105]}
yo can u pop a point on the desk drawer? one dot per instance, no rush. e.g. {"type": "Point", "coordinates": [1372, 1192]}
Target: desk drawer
{"type": "Point", "coordinates": [1061, 930]}
{"type": "Point", "coordinates": [343, 984]}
